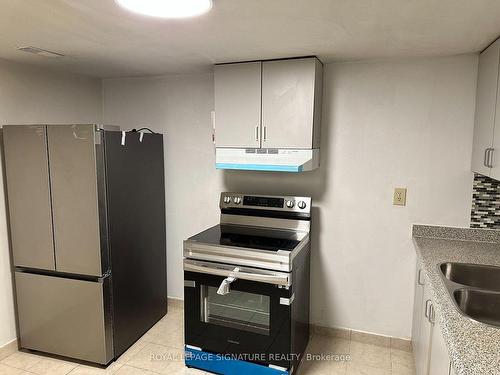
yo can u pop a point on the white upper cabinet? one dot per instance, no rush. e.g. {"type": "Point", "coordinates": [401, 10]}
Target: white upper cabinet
{"type": "Point", "coordinates": [485, 159]}
{"type": "Point", "coordinates": [291, 105]}
{"type": "Point", "coordinates": [238, 105]}
{"type": "Point", "coordinates": [270, 104]}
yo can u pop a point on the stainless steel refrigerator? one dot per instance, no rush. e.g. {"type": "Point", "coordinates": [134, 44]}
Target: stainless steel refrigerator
{"type": "Point", "coordinates": [87, 229]}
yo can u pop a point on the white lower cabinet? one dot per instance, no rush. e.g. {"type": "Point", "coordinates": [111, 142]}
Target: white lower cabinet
{"type": "Point", "coordinates": [429, 348]}
{"type": "Point", "coordinates": [439, 360]}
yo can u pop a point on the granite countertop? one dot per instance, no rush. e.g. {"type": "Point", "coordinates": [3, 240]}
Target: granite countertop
{"type": "Point", "coordinates": [474, 347]}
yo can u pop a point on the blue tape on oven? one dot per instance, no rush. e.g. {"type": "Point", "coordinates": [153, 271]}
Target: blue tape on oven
{"type": "Point", "coordinates": [224, 365]}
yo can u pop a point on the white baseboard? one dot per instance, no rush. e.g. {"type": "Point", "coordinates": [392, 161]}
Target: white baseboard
{"type": "Point", "coordinates": [344, 333]}
{"type": "Point", "coordinates": [8, 349]}
{"type": "Point", "coordinates": [366, 337]}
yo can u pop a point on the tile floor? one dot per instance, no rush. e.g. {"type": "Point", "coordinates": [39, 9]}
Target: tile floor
{"type": "Point", "coordinates": [165, 342]}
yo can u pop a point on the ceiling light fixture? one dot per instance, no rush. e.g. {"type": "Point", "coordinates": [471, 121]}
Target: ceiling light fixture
{"type": "Point", "coordinates": [167, 8]}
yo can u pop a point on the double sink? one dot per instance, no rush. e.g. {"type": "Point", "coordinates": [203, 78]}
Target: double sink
{"type": "Point", "coordinates": [475, 289]}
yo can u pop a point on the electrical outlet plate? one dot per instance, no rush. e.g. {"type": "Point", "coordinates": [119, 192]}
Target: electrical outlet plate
{"type": "Point", "coordinates": [399, 198]}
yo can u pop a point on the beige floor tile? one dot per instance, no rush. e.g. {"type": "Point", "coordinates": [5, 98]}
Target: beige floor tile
{"type": "Point", "coordinates": [129, 370]}
{"type": "Point", "coordinates": [95, 370]}
{"type": "Point", "coordinates": [181, 369]}
{"type": "Point", "coordinates": [21, 360]}
{"type": "Point", "coordinates": [354, 369]}
{"type": "Point", "coordinates": [174, 315]}
{"type": "Point", "coordinates": [133, 350]}
{"type": "Point", "coordinates": [6, 370]}
{"type": "Point", "coordinates": [402, 362]}
{"type": "Point", "coordinates": [50, 366]}
{"type": "Point", "coordinates": [312, 367]}
{"type": "Point", "coordinates": [370, 338]}
{"type": "Point", "coordinates": [157, 358]}
{"type": "Point", "coordinates": [167, 334]}
{"type": "Point", "coordinates": [402, 370]}
{"type": "Point", "coordinates": [325, 356]}
{"type": "Point", "coordinates": [370, 355]}
{"type": "Point", "coordinates": [328, 345]}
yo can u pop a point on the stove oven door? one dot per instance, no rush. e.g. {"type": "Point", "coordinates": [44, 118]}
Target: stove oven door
{"type": "Point", "coordinates": [252, 321]}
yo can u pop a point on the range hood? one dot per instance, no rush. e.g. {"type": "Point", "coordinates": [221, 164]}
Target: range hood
{"type": "Point", "coordinates": [272, 160]}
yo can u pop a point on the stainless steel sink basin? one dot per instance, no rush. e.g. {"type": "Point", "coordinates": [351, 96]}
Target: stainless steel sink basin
{"type": "Point", "coordinates": [473, 275]}
{"type": "Point", "coordinates": [480, 305]}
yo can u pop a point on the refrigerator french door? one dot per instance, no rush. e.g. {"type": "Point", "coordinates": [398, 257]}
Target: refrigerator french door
{"type": "Point", "coordinates": [250, 321]}
{"type": "Point", "coordinates": [70, 200]}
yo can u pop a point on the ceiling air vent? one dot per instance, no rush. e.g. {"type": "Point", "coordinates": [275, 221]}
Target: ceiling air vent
{"type": "Point", "coordinates": [40, 51]}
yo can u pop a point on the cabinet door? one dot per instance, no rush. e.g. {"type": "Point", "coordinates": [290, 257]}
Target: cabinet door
{"type": "Point", "coordinates": [27, 175]}
{"type": "Point", "coordinates": [495, 152]}
{"type": "Point", "coordinates": [439, 359]}
{"type": "Point", "coordinates": [73, 174]}
{"type": "Point", "coordinates": [424, 344]}
{"type": "Point", "coordinates": [288, 88]}
{"type": "Point", "coordinates": [417, 310]}
{"type": "Point", "coordinates": [238, 105]}
{"type": "Point", "coordinates": [486, 101]}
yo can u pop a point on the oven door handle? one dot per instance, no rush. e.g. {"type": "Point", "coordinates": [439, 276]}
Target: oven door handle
{"type": "Point", "coordinates": [225, 285]}
{"type": "Point", "coordinates": [270, 277]}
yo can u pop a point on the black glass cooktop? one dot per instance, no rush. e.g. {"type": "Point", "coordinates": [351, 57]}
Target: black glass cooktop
{"type": "Point", "coordinates": [253, 238]}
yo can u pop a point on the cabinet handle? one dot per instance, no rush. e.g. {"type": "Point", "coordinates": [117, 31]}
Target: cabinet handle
{"type": "Point", "coordinates": [432, 314]}
{"type": "Point", "coordinates": [485, 157]}
{"type": "Point", "coordinates": [427, 308]}
{"type": "Point", "coordinates": [490, 157]}
{"type": "Point", "coordinates": [419, 278]}
{"type": "Point", "coordinates": [265, 133]}
{"type": "Point", "coordinates": [257, 133]}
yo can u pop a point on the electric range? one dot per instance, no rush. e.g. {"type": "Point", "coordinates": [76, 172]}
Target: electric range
{"type": "Point", "coordinates": [246, 287]}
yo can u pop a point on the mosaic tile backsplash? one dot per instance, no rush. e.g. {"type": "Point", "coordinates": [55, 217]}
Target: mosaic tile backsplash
{"type": "Point", "coordinates": [485, 211]}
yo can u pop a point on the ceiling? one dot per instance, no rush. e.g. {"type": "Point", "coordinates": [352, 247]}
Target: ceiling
{"type": "Point", "coordinates": [101, 39]}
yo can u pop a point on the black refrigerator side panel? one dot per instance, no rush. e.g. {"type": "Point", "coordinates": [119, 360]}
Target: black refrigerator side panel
{"type": "Point", "coordinates": [136, 214]}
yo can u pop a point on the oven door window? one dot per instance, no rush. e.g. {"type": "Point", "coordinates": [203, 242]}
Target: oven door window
{"type": "Point", "coordinates": [240, 310]}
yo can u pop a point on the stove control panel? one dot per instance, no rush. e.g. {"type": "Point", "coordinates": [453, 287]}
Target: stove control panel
{"type": "Point", "coordinates": [264, 202]}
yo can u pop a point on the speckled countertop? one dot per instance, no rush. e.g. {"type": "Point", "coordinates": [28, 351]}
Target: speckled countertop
{"type": "Point", "coordinates": [474, 347]}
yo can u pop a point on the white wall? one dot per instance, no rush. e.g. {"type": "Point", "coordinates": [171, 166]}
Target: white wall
{"type": "Point", "coordinates": [385, 124]}
{"type": "Point", "coordinates": [33, 95]}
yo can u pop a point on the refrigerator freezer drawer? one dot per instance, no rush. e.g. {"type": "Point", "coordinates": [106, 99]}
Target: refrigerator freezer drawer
{"type": "Point", "coordinates": [64, 316]}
